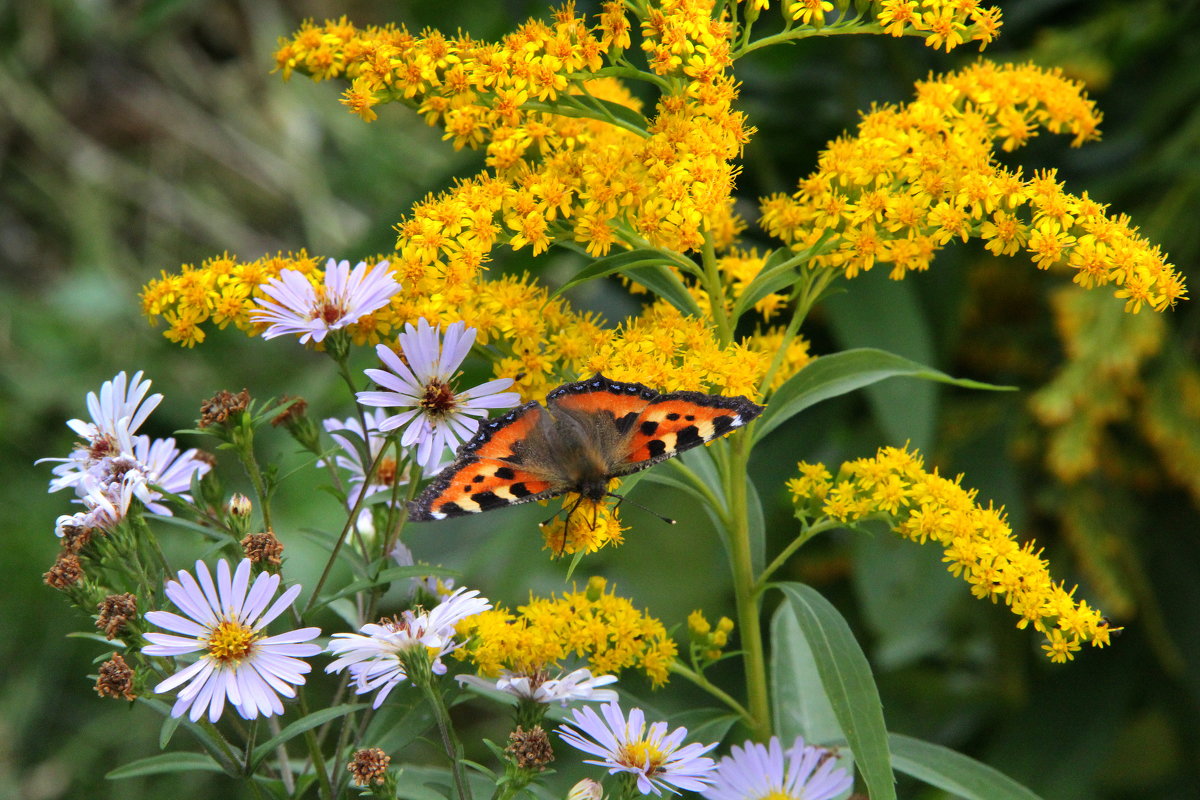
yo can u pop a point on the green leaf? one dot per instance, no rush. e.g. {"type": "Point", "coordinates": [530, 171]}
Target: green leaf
{"type": "Point", "coordinates": [165, 762]}
{"type": "Point", "coordinates": [624, 114]}
{"type": "Point", "coordinates": [880, 307]}
{"type": "Point", "coordinates": [779, 271]}
{"type": "Point", "coordinates": [305, 723]}
{"type": "Point", "coordinates": [209, 738]}
{"type": "Point", "coordinates": [848, 683]}
{"type": "Point", "coordinates": [840, 373]}
{"type": "Point", "coordinates": [666, 285]}
{"type": "Point", "coordinates": [953, 772]}
{"type": "Point", "coordinates": [624, 262]}
{"type": "Point", "coordinates": [800, 705]}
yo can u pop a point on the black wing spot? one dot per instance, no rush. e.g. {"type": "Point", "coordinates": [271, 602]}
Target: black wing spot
{"type": "Point", "coordinates": [722, 424]}
{"type": "Point", "coordinates": [656, 447]}
{"type": "Point", "coordinates": [505, 474]}
{"type": "Point", "coordinates": [626, 422]}
{"type": "Point", "coordinates": [649, 427]}
{"type": "Point", "coordinates": [450, 508]}
{"type": "Point", "coordinates": [690, 417]}
{"type": "Point", "coordinates": [488, 500]}
{"type": "Point", "coordinates": [672, 416]}
{"type": "Point", "coordinates": [519, 490]}
{"type": "Point", "coordinates": [478, 479]}
{"type": "Point", "coordinates": [688, 437]}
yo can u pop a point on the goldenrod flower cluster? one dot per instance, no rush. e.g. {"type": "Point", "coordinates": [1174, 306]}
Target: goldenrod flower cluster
{"type": "Point", "coordinates": [707, 642]}
{"type": "Point", "coordinates": [921, 175]}
{"type": "Point", "coordinates": [942, 23]}
{"type": "Point", "coordinates": [669, 351]}
{"type": "Point", "coordinates": [585, 526]}
{"type": "Point", "coordinates": [593, 172]}
{"type": "Point", "coordinates": [594, 625]}
{"type": "Point", "coordinates": [979, 545]}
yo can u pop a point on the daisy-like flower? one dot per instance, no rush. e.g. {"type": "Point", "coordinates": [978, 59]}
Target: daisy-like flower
{"type": "Point", "coordinates": [754, 772]}
{"type": "Point", "coordinates": [651, 754]}
{"type": "Point", "coordinates": [380, 654]}
{"type": "Point", "coordinates": [116, 412]}
{"type": "Point", "coordinates": [436, 418]}
{"type": "Point", "coordinates": [349, 435]}
{"type": "Point", "coordinates": [538, 688]}
{"type": "Point", "coordinates": [313, 311]}
{"type": "Point", "coordinates": [239, 662]}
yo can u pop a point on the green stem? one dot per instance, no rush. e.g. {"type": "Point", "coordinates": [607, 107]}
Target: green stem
{"type": "Point", "coordinates": [716, 290]}
{"type": "Point", "coordinates": [698, 678]}
{"type": "Point", "coordinates": [795, 34]}
{"type": "Point", "coordinates": [449, 741]}
{"type": "Point", "coordinates": [781, 559]}
{"type": "Point", "coordinates": [314, 752]}
{"type": "Point", "coordinates": [747, 602]}
{"type": "Point", "coordinates": [337, 547]}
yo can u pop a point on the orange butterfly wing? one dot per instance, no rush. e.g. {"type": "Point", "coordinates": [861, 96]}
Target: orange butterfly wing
{"type": "Point", "coordinates": [487, 473]}
{"type": "Point", "coordinates": [657, 426]}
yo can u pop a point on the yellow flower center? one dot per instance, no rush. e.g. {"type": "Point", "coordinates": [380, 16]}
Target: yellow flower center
{"type": "Point", "coordinates": [642, 754]}
{"type": "Point", "coordinates": [231, 641]}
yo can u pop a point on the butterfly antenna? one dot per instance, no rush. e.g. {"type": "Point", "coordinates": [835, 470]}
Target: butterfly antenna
{"type": "Point", "coordinates": [622, 498]}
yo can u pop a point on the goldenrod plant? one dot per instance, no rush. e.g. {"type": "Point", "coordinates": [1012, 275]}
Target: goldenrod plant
{"type": "Point", "coordinates": [610, 138]}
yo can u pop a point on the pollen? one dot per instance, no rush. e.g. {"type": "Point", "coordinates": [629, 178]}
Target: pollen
{"type": "Point", "coordinates": [231, 641]}
{"type": "Point", "coordinates": [439, 399]}
{"type": "Point", "coordinates": [644, 754]}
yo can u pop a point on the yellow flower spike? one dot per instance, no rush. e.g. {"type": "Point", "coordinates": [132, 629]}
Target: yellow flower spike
{"type": "Point", "coordinates": [978, 544]}
{"type": "Point", "coordinates": [919, 176]}
{"type": "Point", "coordinates": [586, 527]}
{"type": "Point", "coordinates": [595, 625]}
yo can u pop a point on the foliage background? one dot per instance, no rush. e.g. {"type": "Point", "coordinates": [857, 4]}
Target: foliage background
{"type": "Point", "coordinates": [137, 136]}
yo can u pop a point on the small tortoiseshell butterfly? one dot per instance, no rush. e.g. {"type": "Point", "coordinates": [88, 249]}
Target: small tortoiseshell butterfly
{"type": "Point", "coordinates": [588, 433]}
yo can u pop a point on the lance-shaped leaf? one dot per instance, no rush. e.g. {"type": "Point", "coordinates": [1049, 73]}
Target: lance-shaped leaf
{"type": "Point", "coordinates": [840, 373]}
{"type": "Point", "coordinates": [848, 683]}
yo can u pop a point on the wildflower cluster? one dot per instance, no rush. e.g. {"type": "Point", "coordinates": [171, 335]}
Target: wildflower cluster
{"type": "Point", "coordinates": [980, 546]}
{"type": "Point", "coordinates": [943, 24]}
{"type": "Point", "coordinates": [921, 175]}
{"type": "Point", "coordinates": [583, 175]}
{"type": "Point", "coordinates": [594, 624]}
{"type": "Point", "coordinates": [113, 464]}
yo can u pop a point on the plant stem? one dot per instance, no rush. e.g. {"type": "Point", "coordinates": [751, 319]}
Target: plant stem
{"type": "Point", "coordinates": [745, 597]}
{"type": "Point", "coordinates": [449, 741]}
{"type": "Point", "coordinates": [698, 678]}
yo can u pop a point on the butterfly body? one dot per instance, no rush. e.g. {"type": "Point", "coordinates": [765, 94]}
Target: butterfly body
{"type": "Point", "coordinates": [588, 433]}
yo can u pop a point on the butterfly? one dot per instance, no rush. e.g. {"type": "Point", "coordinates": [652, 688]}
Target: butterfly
{"type": "Point", "coordinates": [588, 433]}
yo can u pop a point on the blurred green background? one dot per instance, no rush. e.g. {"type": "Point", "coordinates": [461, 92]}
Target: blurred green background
{"type": "Point", "coordinates": [137, 136]}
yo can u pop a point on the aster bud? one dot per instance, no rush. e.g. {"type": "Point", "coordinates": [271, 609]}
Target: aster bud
{"type": "Point", "coordinates": [586, 789]}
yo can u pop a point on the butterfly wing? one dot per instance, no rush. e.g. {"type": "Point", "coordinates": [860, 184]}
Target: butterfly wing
{"type": "Point", "coordinates": [678, 421]}
{"type": "Point", "coordinates": [650, 427]}
{"type": "Point", "coordinates": [488, 471]}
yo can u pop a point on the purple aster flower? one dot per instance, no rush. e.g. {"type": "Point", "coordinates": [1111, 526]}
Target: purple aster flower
{"type": "Point", "coordinates": [225, 622]}
{"type": "Point", "coordinates": [437, 417]}
{"type": "Point", "coordinates": [651, 754]}
{"type": "Point", "coordinates": [539, 688]}
{"type": "Point", "coordinates": [754, 772]}
{"type": "Point", "coordinates": [313, 311]}
{"type": "Point", "coordinates": [376, 655]}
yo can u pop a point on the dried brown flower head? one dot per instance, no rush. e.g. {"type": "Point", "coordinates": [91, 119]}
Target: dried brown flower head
{"type": "Point", "coordinates": [116, 679]}
{"type": "Point", "coordinates": [262, 547]}
{"type": "Point", "coordinates": [115, 611]}
{"type": "Point", "coordinates": [65, 573]}
{"type": "Point", "coordinates": [218, 408]}
{"type": "Point", "coordinates": [530, 749]}
{"type": "Point", "coordinates": [369, 766]}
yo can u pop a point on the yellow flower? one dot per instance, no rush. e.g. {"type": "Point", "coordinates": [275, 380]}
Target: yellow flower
{"type": "Point", "coordinates": [595, 625]}
{"type": "Point", "coordinates": [978, 544]}
{"type": "Point", "coordinates": [918, 176]}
